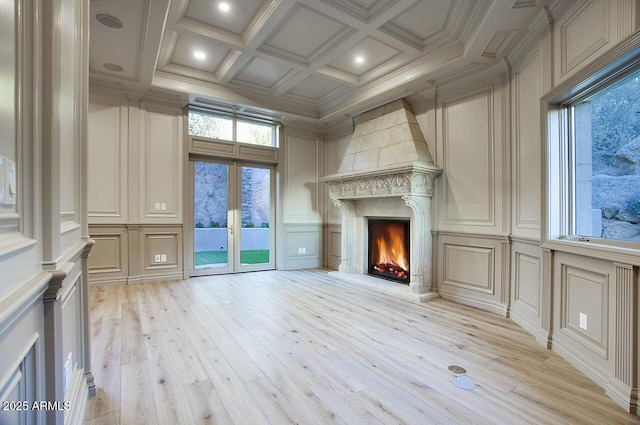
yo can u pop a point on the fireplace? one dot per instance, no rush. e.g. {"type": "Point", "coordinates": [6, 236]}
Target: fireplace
{"type": "Point", "coordinates": [387, 171]}
{"type": "Point", "coordinates": [388, 249]}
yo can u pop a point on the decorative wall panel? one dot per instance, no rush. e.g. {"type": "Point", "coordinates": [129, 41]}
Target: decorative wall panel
{"type": "Point", "coordinates": [164, 243]}
{"type": "Point", "coordinates": [109, 258]}
{"type": "Point", "coordinates": [530, 291]}
{"type": "Point", "coordinates": [302, 246]}
{"type": "Point", "coordinates": [583, 34]}
{"type": "Point", "coordinates": [527, 150]}
{"type": "Point", "coordinates": [584, 307]}
{"type": "Point", "coordinates": [107, 162]}
{"type": "Point", "coordinates": [161, 252]}
{"type": "Point", "coordinates": [477, 274]}
{"type": "Point", "coordinates": [588, 30]}
{"type": "Point", "coordinates": [469, 149]}
{"type": "Point", "coordinates": [161, 167]}
{"type": "Point", "coordinates": [473, 269]}
{"type": "Point", "coordinates": [527, 282]}
{"type": "Point", "coordinates": [301, 174]}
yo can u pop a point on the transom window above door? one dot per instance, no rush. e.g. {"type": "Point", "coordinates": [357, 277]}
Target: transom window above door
{"type": "Point", "coordinates": [232, 127]}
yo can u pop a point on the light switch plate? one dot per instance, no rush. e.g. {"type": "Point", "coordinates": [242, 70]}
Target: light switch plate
{"type": "Point", "coordinates": [157, 206]}
{"type": "Point", "coordinates": [157, 258]}
{"type": "Point", "coordinates": [163, 258]}
{"type": "Point", "coordinates": [10, 183]}
{"type": "Point", "coordinates": [3, 189]}
{"type": "Point", "coordinates": [68, 371]}
{"type": "Point", "coordinates": [163, 206]}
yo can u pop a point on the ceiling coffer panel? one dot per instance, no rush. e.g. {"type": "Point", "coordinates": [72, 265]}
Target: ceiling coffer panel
{"type": "Point", "coordinates": [187, 45]}
{"type": "Point", "coordinates": [373, 52]}
{"type": "Point", "coordinates": [262, 72]}
{"type": "Point", "coordinates": [235, 20]}
{"type": "Point", "coordinates": [314, 87]}
{"type": "Point", "coordinates": [320, 33]}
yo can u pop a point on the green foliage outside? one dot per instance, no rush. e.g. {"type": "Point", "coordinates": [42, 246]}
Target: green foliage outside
{"type": "Point", "coordinates": [221, 257]}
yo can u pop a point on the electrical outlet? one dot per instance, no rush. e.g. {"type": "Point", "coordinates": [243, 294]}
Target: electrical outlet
{"type": "Point", "coordinates": [157, 206]}
{"type": "Point", "coordinates": [583, 321]}
{"type": "Point", "coordinates": [302, 250]}
{"type": "Point", "coordinates": [163, 258]}
{"type": "Point", "coordinates": [157, 259]}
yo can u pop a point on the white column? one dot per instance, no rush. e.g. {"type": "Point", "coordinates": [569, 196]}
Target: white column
{"type": "Point", "coordinates": [421, 245]}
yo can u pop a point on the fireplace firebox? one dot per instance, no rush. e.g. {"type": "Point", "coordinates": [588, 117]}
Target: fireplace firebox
{"type": "Point", "coordinates": [389, 244]}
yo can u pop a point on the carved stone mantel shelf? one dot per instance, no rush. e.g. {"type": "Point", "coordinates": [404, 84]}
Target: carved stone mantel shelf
{"type": "Point", "coordinates": [415, 179]}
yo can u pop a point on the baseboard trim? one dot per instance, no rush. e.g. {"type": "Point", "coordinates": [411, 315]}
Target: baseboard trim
{"type": "Point", "coordinates": [622, 394]}
{"type": "Point", "coordinates": [542, 336]}
{"type": "Point", "coordinates": [136, 280]}
{"type": "Point", "coordinates": [107, 281]}
{"type": "Point", "coordinates": [592, 373]}
{"type": "Point", "coordinates": [302, 263]}
{"type": "Point", "coordinates": [492, 307]}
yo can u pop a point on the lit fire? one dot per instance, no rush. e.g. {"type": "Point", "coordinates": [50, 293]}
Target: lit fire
{"type": "Point", "coordinates": [392, 256]}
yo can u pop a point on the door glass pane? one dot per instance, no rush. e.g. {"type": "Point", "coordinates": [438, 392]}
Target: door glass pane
{"type": "Point", "coordinates": [211, 204]}
{"type": "Point", "coordinates": [256, 215]}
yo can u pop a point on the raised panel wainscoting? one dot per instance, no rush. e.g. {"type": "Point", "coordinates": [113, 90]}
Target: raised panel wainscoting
{"type": "Point", "coordinates": [474, 269]}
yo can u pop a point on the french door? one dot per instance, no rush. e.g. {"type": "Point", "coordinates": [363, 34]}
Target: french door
{"type": "Point", "coordinates": [233, 217]}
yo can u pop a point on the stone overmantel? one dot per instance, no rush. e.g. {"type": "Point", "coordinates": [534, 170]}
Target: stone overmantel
{"type": "Point", "coordinates": [413, 179]}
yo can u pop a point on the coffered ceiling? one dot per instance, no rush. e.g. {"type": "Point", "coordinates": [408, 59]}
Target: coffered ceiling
{"type": "Point", "coordinates": [313, 60]}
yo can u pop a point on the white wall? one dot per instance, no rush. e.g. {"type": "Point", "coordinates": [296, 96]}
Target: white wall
{"type": "Point", "coordinates": [44, 238]}
{"type": "Point", "coordinates": [135, 162]}
{"type": "Point", "coordinates": [302, 201]}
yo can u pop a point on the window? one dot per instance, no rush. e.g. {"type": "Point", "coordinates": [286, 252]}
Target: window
{"type": "Point", "coordinates": [602, 179]}
{"type": "Point", "coordinates": [232, 128]}
{"type": "Point", "coordinates": [209, 125]}
{"type": "Point", "coordinates": [255, 133]}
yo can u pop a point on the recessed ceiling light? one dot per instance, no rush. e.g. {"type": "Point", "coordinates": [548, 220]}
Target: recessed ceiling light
{"type": "Point", "coordinates": [224, 6]}
{"type": "Point", "coordinates": [113, 67]}
{"type": "Point", "coordinates": [199, 55]}
{"type": "Point", "coordinates": [109, 20]}
{"type": "Point", "coordinates": [359, 59]}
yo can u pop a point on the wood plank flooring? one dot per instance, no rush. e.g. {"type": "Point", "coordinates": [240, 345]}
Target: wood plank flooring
{"type": "Point", "coordinates": [303, 347]}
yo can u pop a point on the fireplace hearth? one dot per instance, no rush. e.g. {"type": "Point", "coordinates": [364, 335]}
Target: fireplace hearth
{"type": "Point", "coordinates": [389, 249]}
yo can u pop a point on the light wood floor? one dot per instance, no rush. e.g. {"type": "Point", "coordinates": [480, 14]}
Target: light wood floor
{"type": "Point", "coordinates": [305, 348]}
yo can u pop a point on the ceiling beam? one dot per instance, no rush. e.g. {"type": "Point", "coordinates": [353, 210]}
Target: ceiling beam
{"type": "Point", "coordinates": [151, 39]}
